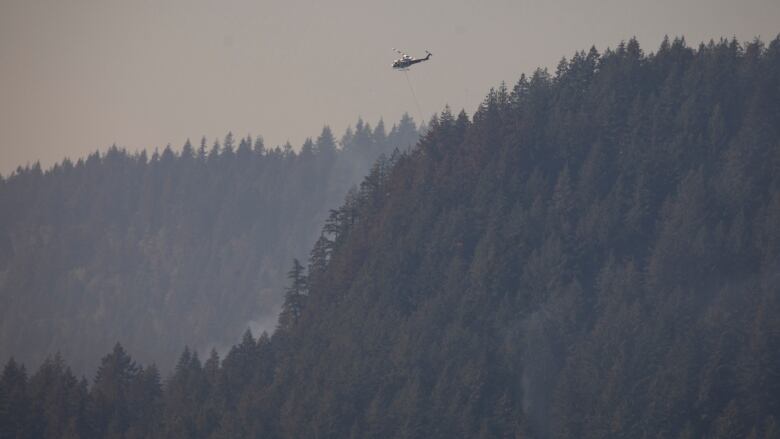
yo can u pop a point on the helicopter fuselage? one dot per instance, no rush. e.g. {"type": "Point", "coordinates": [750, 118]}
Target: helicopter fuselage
{"type": "Point", "coordinates": [405, 63]}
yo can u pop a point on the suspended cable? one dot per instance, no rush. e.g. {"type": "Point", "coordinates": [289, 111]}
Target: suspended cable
{"type": "Point", "coordinates": [416, 102]}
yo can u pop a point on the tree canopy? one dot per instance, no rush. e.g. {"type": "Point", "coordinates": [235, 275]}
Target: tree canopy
{"type": "Point", "coordinates": [180, 248]}
{"type": "Point", "coordinates": [593, 253]}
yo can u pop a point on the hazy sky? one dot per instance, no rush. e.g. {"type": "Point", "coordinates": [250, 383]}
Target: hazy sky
{"type": "Point", "coordinates": [79, 75]}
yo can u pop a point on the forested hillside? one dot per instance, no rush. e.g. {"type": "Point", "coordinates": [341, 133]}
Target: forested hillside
{"type": "Point", "coordinates": [167, 250]}
{"type": "Point", "coordinates": [594, 253]}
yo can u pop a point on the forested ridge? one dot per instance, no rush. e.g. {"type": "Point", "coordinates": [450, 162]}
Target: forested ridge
{"type": "Point", "coordinates": [593, 253]}
{"type": "Point", "coordinates": [167, 249]}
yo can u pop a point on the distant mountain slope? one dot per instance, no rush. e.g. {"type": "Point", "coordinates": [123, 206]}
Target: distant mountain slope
{"type": "Point", "coordinates": [160, 252]}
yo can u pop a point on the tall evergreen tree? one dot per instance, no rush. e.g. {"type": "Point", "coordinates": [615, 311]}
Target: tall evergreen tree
{"type": "Point", "coordinates": [294, 297]}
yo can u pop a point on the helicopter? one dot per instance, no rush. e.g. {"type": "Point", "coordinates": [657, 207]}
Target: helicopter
{"type": "Point", "coordinates": [406, 61]}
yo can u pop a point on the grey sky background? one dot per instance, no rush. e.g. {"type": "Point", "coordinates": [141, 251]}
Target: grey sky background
{"type": "Point", "coordinates": [79, 75]}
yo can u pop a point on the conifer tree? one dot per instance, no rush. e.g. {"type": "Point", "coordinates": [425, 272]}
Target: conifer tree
{"type": "Point", "coordinates": [112, 409]}
{"type": "Point", "coordinates": [294, 296]}
{"type": "Point", "coordinates": [15, 409]}
{"type": "Point", "coordinates": [326, 144]}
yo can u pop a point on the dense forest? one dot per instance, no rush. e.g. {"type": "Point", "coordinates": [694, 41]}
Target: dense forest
{"type": "Point", "coordinates": [173, 249]}
{"type": "Point", "coordinates": [593, 253]}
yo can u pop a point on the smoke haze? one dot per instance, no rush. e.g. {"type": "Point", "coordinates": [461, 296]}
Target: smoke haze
{"type": "Point", "coordinates": [78, 76]}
